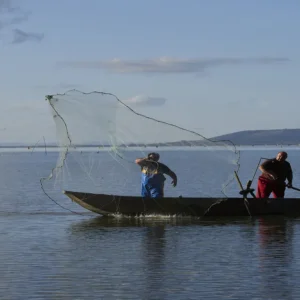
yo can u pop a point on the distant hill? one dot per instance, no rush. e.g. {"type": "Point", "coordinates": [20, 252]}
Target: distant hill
{"type": "Point", "coordinates": [253, 137]}
{"type": "Point", "coordinates": [246, 138]}
{"type": "Point", "coordinates": [263, 137]}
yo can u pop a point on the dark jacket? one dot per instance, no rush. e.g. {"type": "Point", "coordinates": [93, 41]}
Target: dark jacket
{"type": "Point", "coordinates": [282, 170]}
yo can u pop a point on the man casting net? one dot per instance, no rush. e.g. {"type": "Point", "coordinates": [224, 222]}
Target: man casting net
{"type": "Point", "coordinates": [104, 144]}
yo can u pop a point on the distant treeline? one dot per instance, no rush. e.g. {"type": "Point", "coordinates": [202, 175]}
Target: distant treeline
{"type": "Point", "coordinates": [241, 138]}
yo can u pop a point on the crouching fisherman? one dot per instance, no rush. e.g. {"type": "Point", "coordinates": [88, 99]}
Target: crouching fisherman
{"type": "Point", "coordinates": [275, 172]}
{"type": "Point", "coordinates": [153, 178]}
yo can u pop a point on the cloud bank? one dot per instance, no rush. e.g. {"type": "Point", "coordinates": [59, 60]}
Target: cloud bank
{"type": "Point", "coordinates": [169, 65]}
{"type": "Point", "coordinates": [20, 36]}
{"type": "Point", "coordinates": [145, 101]}
{"type": "Point", "coordinates": [11, 15]}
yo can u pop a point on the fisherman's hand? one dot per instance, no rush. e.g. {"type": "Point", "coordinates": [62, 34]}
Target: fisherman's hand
{"type": "Point", "coordinates": [174, 182]}
{"type": "Point", "coordinates": [289, 185]}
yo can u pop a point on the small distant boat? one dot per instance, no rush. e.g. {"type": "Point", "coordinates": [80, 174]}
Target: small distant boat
{"type": "Point", "coordinates": [112, 205]}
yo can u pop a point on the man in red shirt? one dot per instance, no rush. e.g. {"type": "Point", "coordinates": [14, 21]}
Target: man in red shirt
{"type": "Point", "coordinates": [275, 172]}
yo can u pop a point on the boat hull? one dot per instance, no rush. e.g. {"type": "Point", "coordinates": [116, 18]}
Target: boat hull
{"type": "Point", "coordinates": [111, 205]}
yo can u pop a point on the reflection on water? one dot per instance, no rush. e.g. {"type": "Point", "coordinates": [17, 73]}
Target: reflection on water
{"type": "Point", "coordinates": [74, 257]}
{"type": "Point", "coordinates": [154, 258]}
{"type": "Point", "coordinates": [176, 259]}
{"type": "Point", "coordinates": [47, 253]}
{"type": "Point", "coordinates": [276, 257]}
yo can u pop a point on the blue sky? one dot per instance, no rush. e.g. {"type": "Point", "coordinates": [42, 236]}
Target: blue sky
{"type": "Point", "coordinates": [211, 66]}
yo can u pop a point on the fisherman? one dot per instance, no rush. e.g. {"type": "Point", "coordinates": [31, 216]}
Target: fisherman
{"type": "Point", "coordinates": [153, 178]}
{"type": "Point", "coordinates": [275, 172]}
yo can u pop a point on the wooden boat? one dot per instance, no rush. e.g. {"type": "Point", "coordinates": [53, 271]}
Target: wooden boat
{"type": "Point", "coordinates": [111, 205]}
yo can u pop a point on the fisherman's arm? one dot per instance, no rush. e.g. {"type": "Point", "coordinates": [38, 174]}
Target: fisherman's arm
{"type": "Point", "coordinates": [174, 177]}
{"type": "Point", "coordinates": [146, 160]}
{"type": "Point", "coordinates": [265, 168]}
{"type": "Point", "coordinates": [142, 161]}
{"type": "Point", "coordinates": [170, 173]}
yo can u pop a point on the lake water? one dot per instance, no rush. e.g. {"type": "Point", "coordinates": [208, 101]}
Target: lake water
{"type": "Point", "coordinates": [49, 253]}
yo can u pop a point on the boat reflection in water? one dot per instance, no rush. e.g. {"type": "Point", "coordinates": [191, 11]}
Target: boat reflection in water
{"type": "Point", "coordinates": [275, 236]}
{"type": "Point", "coordinates": [152, 258]}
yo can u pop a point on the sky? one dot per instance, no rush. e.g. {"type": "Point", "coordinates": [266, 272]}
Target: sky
{"type": "Point", "coordinates": [214, 67]}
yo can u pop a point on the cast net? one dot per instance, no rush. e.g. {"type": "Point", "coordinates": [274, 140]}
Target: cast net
{"type": "Point", "coordinates": [99, 137]}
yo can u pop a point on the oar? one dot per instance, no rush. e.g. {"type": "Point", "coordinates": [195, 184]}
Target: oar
{"type": "Point", "coordinates": [293, 188]}
{"type": "Point", "coordinates": [296, 189]}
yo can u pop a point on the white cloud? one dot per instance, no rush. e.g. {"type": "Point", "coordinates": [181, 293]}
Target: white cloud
{"type": "Point", "coordinates": [145, 101]}
{"type": "Point", "coordinates": [168, 64]}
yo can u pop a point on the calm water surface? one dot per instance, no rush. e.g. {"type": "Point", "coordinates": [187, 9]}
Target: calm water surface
{"type": "Point", "coordinates": [50, 253]}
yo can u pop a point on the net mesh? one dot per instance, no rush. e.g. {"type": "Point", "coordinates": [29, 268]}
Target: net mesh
{"type": "Point", "coordinates": [99, 137]}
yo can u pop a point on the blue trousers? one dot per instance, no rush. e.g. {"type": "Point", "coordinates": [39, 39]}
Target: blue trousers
{"type": "Point", "coordinates": [153, 187]}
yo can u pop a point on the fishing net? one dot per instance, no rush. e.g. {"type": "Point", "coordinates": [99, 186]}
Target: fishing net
{"type": "Point", "coordinates": [99, 137]}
